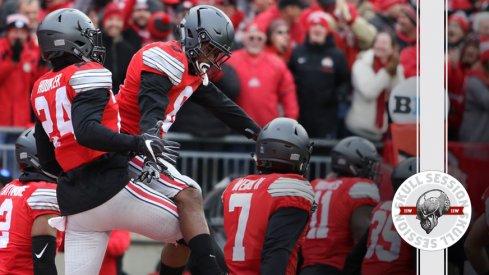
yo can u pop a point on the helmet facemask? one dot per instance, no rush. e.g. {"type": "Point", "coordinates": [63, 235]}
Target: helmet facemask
{"type": "Point", "coordinates": [98, 50]}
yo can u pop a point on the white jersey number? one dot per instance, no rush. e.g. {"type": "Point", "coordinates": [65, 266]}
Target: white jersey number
{"type": "Point", "coordinates": [242, 201]}
{"type": "Point", "coordinates": [388, 236]}
{"type": "Point", "coordinates": [320, 231]}
{"type": "Point", "coordinates": [5, 219]}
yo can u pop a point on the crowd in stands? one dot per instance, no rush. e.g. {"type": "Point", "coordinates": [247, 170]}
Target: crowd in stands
{"type": "Point", "coordinates": [331, 64]}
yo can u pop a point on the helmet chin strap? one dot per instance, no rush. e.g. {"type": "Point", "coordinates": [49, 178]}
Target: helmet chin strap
{"type": "Point", "coordinates": [203, 69]}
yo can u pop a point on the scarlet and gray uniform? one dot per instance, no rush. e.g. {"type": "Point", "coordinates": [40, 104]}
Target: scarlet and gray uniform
{"type": "Point", "coordinates": [158, 82]}
{"type": "Point", "coordinates": [94, 192]}
{"type": "Point", "coordinates": [265, 219]}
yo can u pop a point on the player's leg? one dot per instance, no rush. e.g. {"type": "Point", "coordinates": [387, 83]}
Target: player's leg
{"type": "Point", "coordinates": [84, 248]}
{"type": "Point", "coordinates": [172, 257]}
{"type": "Point", "coordinates": [187, 195]}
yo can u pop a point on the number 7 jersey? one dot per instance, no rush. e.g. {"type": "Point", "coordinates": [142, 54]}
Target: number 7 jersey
{"type": "Point", "coordinates": [249, 203]}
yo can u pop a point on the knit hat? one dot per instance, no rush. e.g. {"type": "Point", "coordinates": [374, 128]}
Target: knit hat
{"type": "Point", "coordinates": [410, 12]}
{"type": "Point", "coordinates": [484, 49]}
{"type": "Point", "coordinates": [111, 10]}
{"type": "Point", "coordinates": [18, 21]}
{"type": "Point", "coordinates": [318, 17]}
{"type": "Point", "coordinates": [160, 25]}
{"type": "Point", "coordinates": [383, 5]}
{"type": "Point", "coordinates": [461, 19]}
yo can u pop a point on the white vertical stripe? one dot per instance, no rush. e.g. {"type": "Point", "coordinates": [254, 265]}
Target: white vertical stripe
{"type": "Point", "coordinates": [432, 107]}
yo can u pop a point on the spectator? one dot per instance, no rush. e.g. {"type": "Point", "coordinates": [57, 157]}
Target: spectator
{"type": "Point", "coordinates": [321, 76]}
{"type": "Point", "coordinates": [386, 18]}
{"type": "Point", "coordinates": [139, 12]}
{"type": "Point", "coordinates": [30, 9]}
{"type": "Point", "coordinates": [406, 27]}
{"type": "Point", "coordinates": [374, 74]}
{"type": "Point", "coordinates": [230, 8]}
{"type": "Point", "coordinates": [160, 26]}
{"type": "Point", "coordinates": [278, 41]}
{"type": "Point", "coordinates": [119, 51]}
{"type": "Point", "coordinates": [475, 122]}
{"type": "Point", "coordinates": [352, 32]}
{"type": "Point", "coordinates": [459, 64]}
{"type": "Point", "coordinates": [365, 8]}
{"type": "Point", "coordinates": [265, 81]}
{"type": "Point", "coordinates": [458, 26]}
{"type": "Point", "coordinates": [481, 24]}
{"type": "Point", "coordinates": [288, 10]}
{"type": "Point", "coordinates": [18, 67]}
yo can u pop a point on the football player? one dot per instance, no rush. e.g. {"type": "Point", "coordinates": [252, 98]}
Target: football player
{"type": "Point", "coordinates": [345, 200]}
{"type": "Point", "coordinates": [77, 136]}
{"type": "Point", "coordinates": [160, 78]}
{"type": "Point", "coordinates": [265, 215]}
{"type": "Point", "coordinates": [478, 240]}
{"type": "Point", "coordinates": [381, 249]}
{"type": "Point", "coordinates": [27, 242]}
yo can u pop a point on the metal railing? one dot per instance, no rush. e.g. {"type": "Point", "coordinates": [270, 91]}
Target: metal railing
{"type": "Point", "coordinates": [206, 160]}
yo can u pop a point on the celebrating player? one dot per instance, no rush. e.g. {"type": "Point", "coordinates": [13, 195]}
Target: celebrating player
{"type": "Point", "coordinates": [265, 215]}
{"type": "Point", "coordinates": [161, 77]}
{"type": "Point", "coordinates": [382, 250]}
{"type": "Point", "coordinates": [478, 240]}
{"type": "Point", "coordinates": [345, 200]}
{"type": "Point", "coordinates": [27, 242]}
{"type": "Point", "coordinates": [93, 192]}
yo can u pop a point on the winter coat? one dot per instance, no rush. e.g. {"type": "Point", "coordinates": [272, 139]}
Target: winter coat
{"type": "Point", "coordinates": [265, 83]}
{"type": "Point", "coordinates": [367, 87]}
{"type": "Point", "coordinates": [321, 76]}
{"type": "Point", "coordinates": [117, 58]}
{"type": "Point", "coordinates": [16, 81]}
{"type": "Point", "coordinates": [475, 122]}
{"type": "Point", "coordinates": [383, 23]}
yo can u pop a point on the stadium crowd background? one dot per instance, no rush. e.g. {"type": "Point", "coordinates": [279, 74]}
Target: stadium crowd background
{"type": "Point", "coordinates": [331, 64]}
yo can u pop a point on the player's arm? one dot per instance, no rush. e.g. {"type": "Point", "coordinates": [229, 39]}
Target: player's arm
{"type": "Point", "coordinates": [360, 221]}
{"type": "Point", "coordinates": [86, 112]}
{"type": "Point", "coordinates": [152, 99]}
{"type": "Point", "coordinates": [43, 246]}
{"type": "Point", "coordinates": [226, 110]}
{"type": "Point", "coordinates": [45, 151]}
{"type": "Point", "coordinates": [353, 262]}
{"type": "Point", "coordinates": [477, 240]}
{"type": "Point", "coordinates": [283, 231]}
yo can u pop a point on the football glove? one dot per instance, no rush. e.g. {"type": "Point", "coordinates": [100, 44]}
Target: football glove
{"type": "Point", "coordinates": [151, 170]}
{"type": "Point", "coordinates": [153, 147]}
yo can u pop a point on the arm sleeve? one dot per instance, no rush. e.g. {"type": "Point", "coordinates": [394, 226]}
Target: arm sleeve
{"type": "Point", "coordinates": [353, 262]}
{"type": "Point", "coordinates": [45, 151]}
{"type": "Point", "coordinates": [225, 109]}
{"type": "Point", "coordinates": [283, 230]}
{"type": "Point", "coordinates": [288, 96]}
{"type": "Point", "coordinates": [86, 112]}
{"type": "Point", "coordinates": [153, 99]}
{"type": "Point", "coordinates": [43, 255]}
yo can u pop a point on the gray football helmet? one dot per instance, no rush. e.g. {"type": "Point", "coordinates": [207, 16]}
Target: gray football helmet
{"type": "Point", "coordinates": [70, 31]}
{"type": "Point", "coordinates": [403, 171]}
{"type": "Point", "coordinates": [206, 32]}
{"type": "Point", "coordinates": [283, 146]}
{"type": "Point", "coordinates": [355, 157]}
{"type": "Point", "coordinates": [26, 153]}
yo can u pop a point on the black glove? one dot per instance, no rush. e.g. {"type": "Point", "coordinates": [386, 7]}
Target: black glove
{"type": "Point", "coordinates": [17, 48]}
{"type": "Point", "coordinates": [155, 148]}
{"type": "Point", "coordinates": [150, 171]}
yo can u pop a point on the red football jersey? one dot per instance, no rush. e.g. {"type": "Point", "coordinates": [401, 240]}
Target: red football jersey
{"type": "Point", "coordinates": [20, 204]}
{"type": "Point", "coordinates": [387, 252]}
{"type": "Point", "coordinates": [164, 58]}
{"type": "Point", "coordinates": [248, 204]}
{"type": "Point", "coordinates": [329, 239]}
{"type": "Point", "coordinates": [51, 100]}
